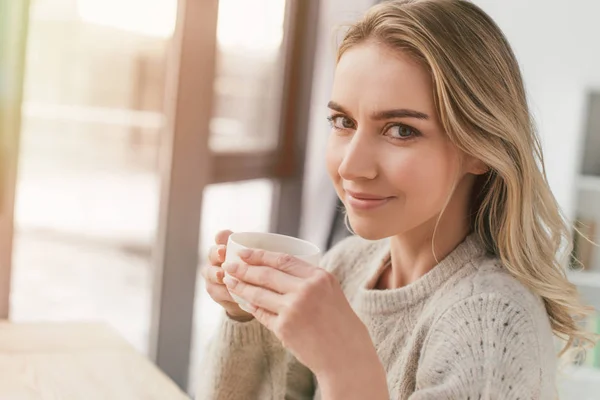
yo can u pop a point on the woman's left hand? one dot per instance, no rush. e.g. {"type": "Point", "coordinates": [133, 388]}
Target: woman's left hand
{"type": "Point", "coordinates": [304, 306]}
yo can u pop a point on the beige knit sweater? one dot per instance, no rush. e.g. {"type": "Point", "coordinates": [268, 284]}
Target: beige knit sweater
{"type": "Point", "coordinates": [466, 330]}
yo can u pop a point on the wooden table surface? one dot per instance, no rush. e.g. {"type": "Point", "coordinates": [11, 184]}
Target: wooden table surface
{"type": "Point", "coordinates": [76, 361]}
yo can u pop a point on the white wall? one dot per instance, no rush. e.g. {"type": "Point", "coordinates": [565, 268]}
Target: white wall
{"type": "Point", "coordinates": [557, 44]}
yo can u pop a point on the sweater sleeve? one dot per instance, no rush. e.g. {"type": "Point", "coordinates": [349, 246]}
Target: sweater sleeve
{"type": "Point", "coordinates": [244, 360]}
{"type": "Point", "coordinates": [483, 347]}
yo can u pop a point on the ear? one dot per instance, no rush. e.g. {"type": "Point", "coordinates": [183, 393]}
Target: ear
{"type": "Point", "coordinates": [475, 166]}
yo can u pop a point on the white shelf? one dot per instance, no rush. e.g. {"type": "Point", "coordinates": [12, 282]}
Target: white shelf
{"type": "Point", "coordinates": [589, 183]}
{"type": "Point", "coordinates": [579, 383]}
{"type": "Point", "coordinates": [588, 285]}
{"type": "Point", "coordinates": [585, 278]}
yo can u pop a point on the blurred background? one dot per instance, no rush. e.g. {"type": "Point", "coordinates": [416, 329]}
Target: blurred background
{"type": "Point", "coordinates": [133, 130]}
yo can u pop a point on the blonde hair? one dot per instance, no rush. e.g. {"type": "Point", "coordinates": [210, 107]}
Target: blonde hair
{"type": "Point", "coordinates": [480, 98]}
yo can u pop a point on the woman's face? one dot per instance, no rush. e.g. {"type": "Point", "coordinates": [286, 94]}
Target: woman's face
{"type": "Point", "coordinates": [386, 142]}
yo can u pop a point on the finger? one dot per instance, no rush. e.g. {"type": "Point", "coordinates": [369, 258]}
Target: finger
{"type": "Point", "coordinates": [219, 293]}
{"type": "Point", "coordinates": [281, 261]}
{"type": "Point", "coordinates": [213, 274]}
{"type": "Point", "coordinates": [216, 254]}
{"type": "Point", "coordinates": [222, 237]}
{"type": "Point", "coordinates": [259, 297]}
{"type": "Point", "coordinates": [262, 276]}
{"type": "Point", "coordinates": [203, 270]}
{"type": "Point", "coordinates": [265, 317]}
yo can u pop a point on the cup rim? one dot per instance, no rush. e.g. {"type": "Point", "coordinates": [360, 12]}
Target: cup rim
{"type": "Point", "coordinates": [306, 243]}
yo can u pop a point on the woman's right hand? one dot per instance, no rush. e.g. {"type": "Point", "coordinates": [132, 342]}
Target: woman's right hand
{"type": "Point", "coordinates": [213, 274]}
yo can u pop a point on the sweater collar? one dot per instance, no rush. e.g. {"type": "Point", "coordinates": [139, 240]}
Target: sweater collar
{"type": "Point", "coordinates": [372, 301]}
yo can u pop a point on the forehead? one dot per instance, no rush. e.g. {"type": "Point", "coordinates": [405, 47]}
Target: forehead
{"type": "Point", "coordinates": [370, 77]}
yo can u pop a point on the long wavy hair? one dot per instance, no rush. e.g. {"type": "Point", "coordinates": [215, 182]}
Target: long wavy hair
{"type": "Point", "coordinates": [480, 98]}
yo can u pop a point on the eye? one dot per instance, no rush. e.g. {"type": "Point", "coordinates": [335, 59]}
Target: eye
{"type": "Point", "coordinates": [340, 122]}
{"type": "Point", "coordinates": [401, 132]}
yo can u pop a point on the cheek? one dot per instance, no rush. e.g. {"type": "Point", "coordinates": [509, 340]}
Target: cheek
{"type": "Point", "coordinates": [422, 179]}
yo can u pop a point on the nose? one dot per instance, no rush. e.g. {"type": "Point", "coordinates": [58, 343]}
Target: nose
{"type": "Point", "coordinates": [359, 160]}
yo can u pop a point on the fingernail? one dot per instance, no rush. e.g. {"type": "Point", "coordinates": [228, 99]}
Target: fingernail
{"type": "Point", "coordinates": [245, 253]}
{"type": "Point", "coordinates": [221, 252]}
{"type": "Point", "coordinates": [230, 282]}
{"type": "Point", "coordinates": [230, 267]}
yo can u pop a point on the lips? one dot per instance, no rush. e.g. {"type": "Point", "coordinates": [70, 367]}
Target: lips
{"type": "Point", "coordinates": [365, 201]}
{"type": "Point", "coordinates": [366, 196]}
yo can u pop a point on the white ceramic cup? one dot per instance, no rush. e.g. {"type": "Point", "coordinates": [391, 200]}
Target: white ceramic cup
{"type": "Point", "coordinates": [269, 242]}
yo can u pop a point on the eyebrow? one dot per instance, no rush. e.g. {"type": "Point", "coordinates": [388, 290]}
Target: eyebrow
{"type": "Point", "coordinates": [383, 115]}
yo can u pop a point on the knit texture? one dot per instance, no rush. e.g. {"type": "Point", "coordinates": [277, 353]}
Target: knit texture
{"type": "Point", "coordinates": [465, 330]}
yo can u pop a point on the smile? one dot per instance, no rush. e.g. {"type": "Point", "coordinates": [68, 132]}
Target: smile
{"type": "Point", "coordinates": [358, 203]}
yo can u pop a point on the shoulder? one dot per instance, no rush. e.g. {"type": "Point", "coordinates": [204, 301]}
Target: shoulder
{"type": "Point", "coordinates": [486, 289]}
{"type": "Point", "coordinates": [493, 319]}
{"type": "Point", "coordinates": [486, 278]}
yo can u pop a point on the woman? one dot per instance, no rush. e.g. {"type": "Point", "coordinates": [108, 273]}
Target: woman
{"type": "Point", "coordinates": [451, 288]}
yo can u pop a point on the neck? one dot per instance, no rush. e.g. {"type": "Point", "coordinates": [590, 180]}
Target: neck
{"type": "Point", "coordinates": [416, 252]}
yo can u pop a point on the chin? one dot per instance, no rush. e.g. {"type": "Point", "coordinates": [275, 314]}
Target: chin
{"type": "Point", "coordinates": [369, 230]}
